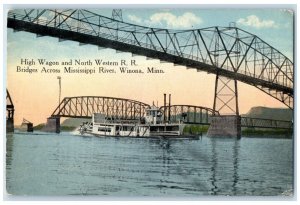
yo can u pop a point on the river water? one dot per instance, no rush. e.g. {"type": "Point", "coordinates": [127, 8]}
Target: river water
{"type": "Point", "coordinates": [44, 164]}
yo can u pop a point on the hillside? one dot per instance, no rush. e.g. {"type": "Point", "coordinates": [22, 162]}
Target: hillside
{"type": "Point", "coordinates": [270, 113]}
{"type": "Point", "coordinates": [74, 122]}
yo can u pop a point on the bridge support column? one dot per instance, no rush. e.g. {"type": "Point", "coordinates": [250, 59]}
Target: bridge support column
{"type": "Point", "coordinates": [226, 96]}
{"type": "Point", "coordinates": [226, 102]}
{"type": "Point", "coordinates": [225, 126]}
{"type": "Point", "coordinates": [10, 110]}
{"type": "Point", "coordinates": [10, 125]}
{"type": "Point", "coordinates": [52, 125]}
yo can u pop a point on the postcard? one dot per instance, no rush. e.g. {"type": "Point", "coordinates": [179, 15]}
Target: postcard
{"type": "Point", "coordinates": [170, 102]}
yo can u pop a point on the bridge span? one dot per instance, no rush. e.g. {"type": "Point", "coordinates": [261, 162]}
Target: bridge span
{"type": "Point", "coordinates": [225, 51]}
{"type": "Point", "coordinates": [111, 107]}
{"type": "Point", "coordinates": [121, 109]}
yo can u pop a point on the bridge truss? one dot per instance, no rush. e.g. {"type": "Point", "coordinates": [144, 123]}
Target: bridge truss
{"type": "Point", "coordinates": [251, 122]}
{"type": "Point", "coordinates": [188, 114]}
{"type": "Point", "coordinates": [225, 51]}
{"type": "Point", "coordinates": [112, 108]}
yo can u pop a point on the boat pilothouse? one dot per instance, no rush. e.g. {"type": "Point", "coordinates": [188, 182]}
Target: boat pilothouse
{"type": "Point", "coordinates": [154, 118]}
{"type": "Point", "coordinates": [150, 126]}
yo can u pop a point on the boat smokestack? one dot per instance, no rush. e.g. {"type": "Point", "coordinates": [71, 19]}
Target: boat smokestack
{"type": "Point", "coordinates": [169, 114]}
{"type": "Point", "coordinates": [165, 104]}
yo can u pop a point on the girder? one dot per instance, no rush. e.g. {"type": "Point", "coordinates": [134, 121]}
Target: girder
{"type": "Point", "coordinates": [228, 51]}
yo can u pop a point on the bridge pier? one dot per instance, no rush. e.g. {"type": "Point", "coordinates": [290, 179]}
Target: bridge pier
{"type": "Point", "coordinates": [10, 110]}
{"type": "Point", "coordinates": [225, 126]}
{"type": "Point", "coordinates": [52, 125]}
{"type": "Point", "coordinates": [10, 125]}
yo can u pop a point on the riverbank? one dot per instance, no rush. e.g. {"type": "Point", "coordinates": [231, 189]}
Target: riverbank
{"type": "Point", "coordinates": [62, 128]}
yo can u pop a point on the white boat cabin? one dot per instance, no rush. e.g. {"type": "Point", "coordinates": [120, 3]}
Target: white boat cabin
{"type": "Point", "coordinates": [153, 126]}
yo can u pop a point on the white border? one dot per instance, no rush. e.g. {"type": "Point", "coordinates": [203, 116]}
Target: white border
{"type": "Point", "coordinates": [81, 3]}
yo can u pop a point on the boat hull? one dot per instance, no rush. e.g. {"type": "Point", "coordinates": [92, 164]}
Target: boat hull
{"type": "Point", "coordinates": [166, 136]}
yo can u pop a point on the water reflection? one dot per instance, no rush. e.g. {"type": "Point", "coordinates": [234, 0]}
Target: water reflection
{"type": "Point", "coordinates": [218, 175]}
{"type": "Point", "coordinates": [9, 149]}
{"type": "Point", "coordinates": [165, 148]}
{"type": "Point", "coordinates": [214, 165]}
{"type": "Point", "coordinates": [235, 156]}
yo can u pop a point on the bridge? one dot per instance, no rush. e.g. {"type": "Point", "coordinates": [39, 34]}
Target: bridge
{"type": "Point", "coordinates": [112, 108]}
{"type": "Point", "coordinates": [225, 51]}
{"type": "Point", "coordinates": [232, 54]}
{"type": "Point", "coordinates": [188, 114]}
{"type": "Point", "coordinates": [121, 109]}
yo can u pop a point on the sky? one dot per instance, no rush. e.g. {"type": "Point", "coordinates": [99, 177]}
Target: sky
{"type": "Point", "coordinates": [35, 95]}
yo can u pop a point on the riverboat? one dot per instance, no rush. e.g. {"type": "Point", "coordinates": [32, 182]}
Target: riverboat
{"type": "Point", "coordinates": [152, 125]}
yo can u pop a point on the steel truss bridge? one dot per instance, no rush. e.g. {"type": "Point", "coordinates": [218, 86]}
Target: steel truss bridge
{"type": "Point", "coordinates": [188, 114]}
{"type": "Point", "coordinates": [126, 110]}
{"type": "Point", "coordinates": [225, 51]}
{"type": "Point", "coordinates": [117, 109]}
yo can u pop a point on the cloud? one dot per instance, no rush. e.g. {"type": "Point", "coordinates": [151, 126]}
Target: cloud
{"type": "Point", "coordinates": [186, 20]}
{"type": "Point", "coordinates": [135, 19]}
{"type": "Point", "coordinates": [254, 21]}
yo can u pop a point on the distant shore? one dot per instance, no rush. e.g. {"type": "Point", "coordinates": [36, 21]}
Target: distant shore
{"type": "Point", "coordinates": [246, 132]}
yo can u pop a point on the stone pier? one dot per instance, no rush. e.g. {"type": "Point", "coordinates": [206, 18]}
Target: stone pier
{"type": "Point", "coordinates": [52, 125]}
{"type": "Point", "coordinates": [225, 126]}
